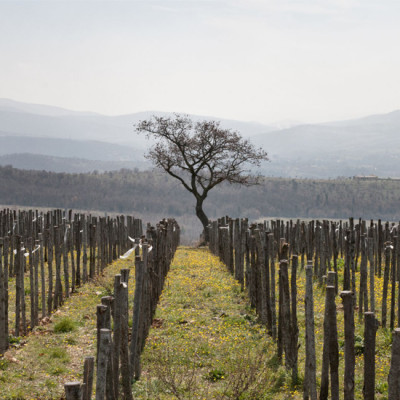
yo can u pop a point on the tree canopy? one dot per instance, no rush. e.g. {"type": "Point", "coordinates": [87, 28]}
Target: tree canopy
{"type": "Point", "coordinates": [201, 155]}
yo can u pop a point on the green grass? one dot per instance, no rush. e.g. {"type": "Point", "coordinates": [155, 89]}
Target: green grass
{"type": "Point", "coordinates": [206, 342]}
{"type": "Point", "coordinates": [211, 346]}
{"type": "Point", "coordinates": [52, 354]}
{"type": "Point", "coordinates": [65, 325]}
{"type": "Point", "coordinates": [208, 346]}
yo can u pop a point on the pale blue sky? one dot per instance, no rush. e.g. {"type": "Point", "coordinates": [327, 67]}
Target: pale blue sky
{"type": "Point", "coordinates": [266, 61]}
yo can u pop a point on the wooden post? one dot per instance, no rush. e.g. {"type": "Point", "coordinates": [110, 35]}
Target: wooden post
{"type": "Point", "coordinates": [65, 260]}
{"type": "Point", "coordinates": [369, 355]}
{"type": "Point", "coordinates": [58, 292]}
{"type": "Point", "coordinates": [267, 282]}
{"type": "Point", "coordinates": [324, 389]}
{"type": "Point", "coordinates": [284, 313]}
{"type": "Point", "coordinates": [84, 243]}
{"type": "Point", "coordinates": [71, 240]}
{"type": "Point", "coordinates": [371, 273]}
{"type": "Point", "coordinates": [3, 301]}
{"type": "Point", "coordinates": [88, 371]}
{"type": "Point", "coordinates": [293, 321]}
{"type": "Point", "coordinates": [117, 331]}
{"type": "Point", "coordinates": [349, 355]}
{"type": "Point", "coordinates": [50, 270]}
{"type": "Point", "coordinates": [124, 346]}
{"type": "Point", "coordinates": [73, 391]}
{"type": "Point", "coordinates": [36, 285]}
{"type": "Point", "coordinates": [18, 288]}
{"type": "Point", "coordinates": [6, 243]}
{"type": "Point", "coordinates": [31, 281]}
{"type": "Point", "coordinates": [103, 359]}
{"type": "Point", "coordinates": [393, 285]}
{"type": "Point", "coordinates": [92, 244]}
{"type": "Point", "coordinates": [310, 380]}
{"type": "Point", "coordinates": [101, 313]}
{"type": "Point", "coordinates": [333, 343]}
{"type": "Point", "coordinates": [134, 361]}
{"type": "Point", "coordinates": [394, 373]}
{"type": "Point", "coordinates": [363, 299]}
{"type": "Point", "coordinates": [271, 250]}
{"type": "Point", "coordinates": [385, 283]}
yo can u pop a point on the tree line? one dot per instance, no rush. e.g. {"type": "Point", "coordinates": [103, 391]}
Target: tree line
{"type": "Point", "coordinates": [127, 191]}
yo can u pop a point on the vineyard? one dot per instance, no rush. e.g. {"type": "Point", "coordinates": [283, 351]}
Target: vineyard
{"type": "Point", "coordinates": [272, 310]}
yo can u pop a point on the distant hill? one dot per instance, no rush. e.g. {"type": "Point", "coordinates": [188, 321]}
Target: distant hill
{"type": "Point", "coordinates": [368, 145]}
{"type": "Point", "coordinates": [362, 146]}
{"type": "Point", "coordinates": [27, 161]}
{"type": "Point", "coordinates": [58, 147]}
{"type": "Point", "coordinates": [24, 119]}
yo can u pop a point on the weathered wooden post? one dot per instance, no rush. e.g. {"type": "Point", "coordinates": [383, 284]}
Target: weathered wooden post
{"type": "Point", "coordinates": [135, 345]}
{"type": "Point", "coordinates": [393, 285]}
{"type": "Point", "coordinates": [388, 249]}
{"type": "Point", "coordinates": [58, 292]}
{"type": "Point", "coordinates": [3, 303]}
{"type": "Point", "coordinates": [117, 330]}
{"type": "Point", "coordinates": [363, 299]}
{"type": "Point", "coordinates": [122, 297]}
{"type": "Point", "coordinates": [294, 324]}
{"type": "Point", "coordinates": [349, 355]}
{"type": "Point", "coordinates": [369, 355]}
{"type": "Point", "coordinates": [73, 391]}
{"type": "Point", "coordinates": [84, 244]}
{"type": "Point", "coordinates": [88, 371]}
{"type": "Point", "coordinates": [50, 269]}
{"type": "Point", "coordinates": [36, 285]}
{"type": "Point", "coordinates": [31, 281]}
{"type": "Point", "coordinates": [92, 250]}
{"type": "Point", "coordinates": [102, 361]}
{"type": "Point", "coordinates": [18, 288]}
{"type": "Point", "coordinates": [65, 259]}
{"type": "Point", "coordinates": [371, 272]}
{"type": "Point", "coordinates": [333, 343]}
{"type": "Point", "coordinates": [6, 243]}
{"type": "Point", "coordinates": [310, 380]}
{"type": "Point", "coordinates": [324, 389]}
{"type": "Point", "coordinates": [284, 312]}
{"type": "Point", "coordinates": [272, 252]}
{"type": "Point", "coordinates": [394, 373]}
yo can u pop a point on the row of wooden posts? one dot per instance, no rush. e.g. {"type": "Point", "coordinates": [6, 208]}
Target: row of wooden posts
{"type": "Point", "coordinates": [48, 255]}
{"type": "Point", "coordinates": [250, 253]}
{"type": "Point", "coordinates": [118, 361]}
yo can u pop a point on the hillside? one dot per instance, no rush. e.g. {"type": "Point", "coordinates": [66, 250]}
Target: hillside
{"type": "Point", "coordinates": [153, 193]}
{"type": "Point", "coordinates": [21, 119]}
{"type": "Point", "coordinates": [40, 162]}
{"type": "Point", "coordinates": [363, 146]}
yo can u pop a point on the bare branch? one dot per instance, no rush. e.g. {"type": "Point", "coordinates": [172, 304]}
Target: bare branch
{"type": "Point", "coordinates": [203, 152]}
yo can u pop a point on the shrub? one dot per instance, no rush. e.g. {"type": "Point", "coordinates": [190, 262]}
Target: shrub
{"type": "Point", "coordinates": [64, 325]}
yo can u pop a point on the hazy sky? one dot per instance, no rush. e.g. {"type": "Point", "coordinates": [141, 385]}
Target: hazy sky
{"type": "Point", "coordinates": [267, 61]}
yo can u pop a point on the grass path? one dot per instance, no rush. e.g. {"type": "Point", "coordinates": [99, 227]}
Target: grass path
{"type": "Point", "coordinates": [205, 342]}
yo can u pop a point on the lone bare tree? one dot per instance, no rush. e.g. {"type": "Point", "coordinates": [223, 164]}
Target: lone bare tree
{"type": "Point", "coordinates": [200, 155]}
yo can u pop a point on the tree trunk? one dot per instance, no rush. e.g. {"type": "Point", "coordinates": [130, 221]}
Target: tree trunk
{"type": "Point", "coordinates": [202, 217]}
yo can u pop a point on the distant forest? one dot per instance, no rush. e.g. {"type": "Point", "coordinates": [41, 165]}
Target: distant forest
{"type": "Point", "coordinates": [151, 192]}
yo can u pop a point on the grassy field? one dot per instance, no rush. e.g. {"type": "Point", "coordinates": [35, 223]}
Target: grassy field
{"type": "Point", "coordinates": [38, 365]}
{"type": "Point", "coordinates": [205, 342]}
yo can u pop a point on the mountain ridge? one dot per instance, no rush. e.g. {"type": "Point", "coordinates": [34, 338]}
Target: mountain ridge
{"type": "Point", "coordinates": [367, 145]}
